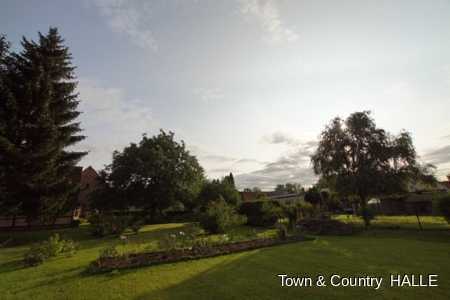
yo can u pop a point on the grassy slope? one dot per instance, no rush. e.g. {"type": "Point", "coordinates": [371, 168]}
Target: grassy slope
{"type": "Point", "coordinates": [239, 276]}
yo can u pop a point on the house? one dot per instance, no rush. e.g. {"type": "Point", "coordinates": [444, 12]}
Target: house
{"type": "Point", "coordinates": [282, 197]}
{"type": "Point", "coordinates": [89, 182]}
{"type": "Point", "coordinates": [87, 179]}
{"type": "Point", "coordinates": [445, 185]}
{"type": "Point", "coordinates": [420, 199]}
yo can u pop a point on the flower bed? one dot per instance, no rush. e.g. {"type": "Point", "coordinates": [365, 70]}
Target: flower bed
{"type": "Point", "coordinates": [133, 260]}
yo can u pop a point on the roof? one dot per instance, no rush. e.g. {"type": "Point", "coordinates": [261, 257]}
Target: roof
{"type": "Point", "coordinates": [445, 184]}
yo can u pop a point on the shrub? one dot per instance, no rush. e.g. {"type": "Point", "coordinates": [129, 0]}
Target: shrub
{"type": "Point", "coordinates": [444, 207]}
{"type": "Point", "coordinates": [306, 210]}
{"type": "Point", "coordinates": [109, 252]}
{"type": "Point", "coordinates": [219, 217]}
{"type": "Point", "coordinates": [261, 213]}
{"type": "Point", "coordinates": [106, 224]}
{"type": "Point", "coordinates": [178, 240]}
{"type": "Point", "coordinates": [36, 255]}
{"type": "Point", "coordinates": [281, 231]}
{"type": "Point", "coordinates": [55, 246]}
{"type": "Point", "coordinates": [367, 214]}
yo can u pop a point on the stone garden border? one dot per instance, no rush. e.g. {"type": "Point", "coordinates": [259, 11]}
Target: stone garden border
{"type": "Point", "coordinates": [135, 260]}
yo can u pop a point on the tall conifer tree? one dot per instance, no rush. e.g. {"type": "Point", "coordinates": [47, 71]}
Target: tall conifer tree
{"type": "Point", "coordinates": [41, 112]}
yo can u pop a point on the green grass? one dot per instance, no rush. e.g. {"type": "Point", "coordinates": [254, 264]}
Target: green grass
{"type": "Point", "coordinates": [245, 275]}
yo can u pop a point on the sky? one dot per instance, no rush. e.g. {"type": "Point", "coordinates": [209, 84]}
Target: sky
{"type": "Point", "coordinates": [250, 84]}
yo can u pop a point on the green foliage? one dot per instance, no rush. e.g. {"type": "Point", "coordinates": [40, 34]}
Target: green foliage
{"type": "Point", "coordinates": [220, 216]}
{"type": "Point", "coordinates": [38, 112]}
{"type": "Point", "coordinates": [53, 247]}
{"type": "Point", "coordinates": [109, 252]}
{"type": "Point", "coordinates": [215, 189]}
{"type": "Point", "coordinates": [444, 207]}
{"type": "Point", "coordinates": [367, 214]}
{"type": "Point", "coordinates": [261, 213]}
{"type": "Point", "coordinates": [103, 224]}
{"type": "Point", "coordinates": [282, 232]}
{"type": "Point", "coordinates": [181, 239]}
{"type": "Point", "coordinates": [289, 188]}
{"type": "Point", "coordinates": [36, 255]}
{"type": "Point", "coordinates": [306, 210]}
{"type": "Point", "coordinates": [365, 160]}
{"type": "Point", "coordinates": [152, 175]}
{"type": "Point", "coordinates": [330, 252]}
{"type": "Point", "coordinates": [312, 196]}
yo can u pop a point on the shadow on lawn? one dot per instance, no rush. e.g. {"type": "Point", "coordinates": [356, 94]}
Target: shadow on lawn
{"type": "Point", "coordinates": [11, 266]}
{"type": "Point", "coordinates": [253, 274]}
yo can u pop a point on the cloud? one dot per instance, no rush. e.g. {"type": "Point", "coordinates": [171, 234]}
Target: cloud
{"type": "Point", "coordinates": [111, 121]}
{"type": "Point", "coordinates": [279, 137]}
{"type": "Point", "coordinates": [208, 95]}
{"type": "Point", "coordinates": [218, 158]}
{"type": "Point", "coordinates": [267, 14]}
{"type": "Point", "coordinates": [438, 156]}
{"type": "Point", "coordinates": [293, 167]}
{"type": "Point", "coordinates": [216, 165]}
{"type": "Point", "coordinates": [129, 18]}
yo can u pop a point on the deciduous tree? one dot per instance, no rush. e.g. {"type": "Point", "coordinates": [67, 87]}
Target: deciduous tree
{"type": "Point", "coordinates": [364, 160]}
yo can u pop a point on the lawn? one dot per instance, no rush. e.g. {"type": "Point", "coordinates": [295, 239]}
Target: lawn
{"type": "Point", "coordinates": [382, 250]}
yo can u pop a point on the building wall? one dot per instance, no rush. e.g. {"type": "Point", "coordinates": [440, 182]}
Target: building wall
{"type": "Point", "coordinates": [90, 180]}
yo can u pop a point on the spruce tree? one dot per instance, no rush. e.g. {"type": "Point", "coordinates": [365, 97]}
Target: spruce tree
{"type": "Point", "coordinates": [42, 111]}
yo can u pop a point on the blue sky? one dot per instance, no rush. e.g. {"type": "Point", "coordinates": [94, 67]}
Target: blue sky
{"type": "Point", "coordinates": [250, 84]}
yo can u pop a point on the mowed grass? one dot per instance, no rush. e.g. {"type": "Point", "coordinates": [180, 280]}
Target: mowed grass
{"type": "Point", "coordinates": [247, 275]}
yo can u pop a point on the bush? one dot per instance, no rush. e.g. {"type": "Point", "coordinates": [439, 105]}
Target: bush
{"type": "Point", "coordinates": [367, 214]}
{"type": "Point", "coordinates": [301, 210]}
{"type": "Point", "coordinates": [107, 224]}
{"type": "Point", "coordinates": [306, 210]}
{"type": "Point", "coordinates": [219, 217]}
{"type": "Point", "coordinates": [281, 231]}
{"type": "Point", "coordinates": [444, 207]}
{"type": "Point", "coordinates": [36, 255]}
{"type": "Point", "coordinates": [261, 213]}
{"type": "Point", "coordinates": [109, 252]}
{"type": "Point", "coordinates": [55, 246]}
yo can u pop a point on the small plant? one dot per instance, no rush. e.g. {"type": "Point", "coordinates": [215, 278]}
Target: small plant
{"type": "Point", "coordinates": [55, 246]}
{"type": "Point", "coordinates": [281, 231]}
{"type": "Point", "coordinates": [168, 242]}
{"type": "Point", "coordinates": [201, 243]}
{"type": "Point", "coordinates": [109, 252]}
{"type": "Point", "coordinates": [177, 240]}
{"type": "Point", "coordinates": [306, 210]}
{"type": "Point", "coordinates": [36, 255]}
{"type": "Point", "coordinates": [223, 239]}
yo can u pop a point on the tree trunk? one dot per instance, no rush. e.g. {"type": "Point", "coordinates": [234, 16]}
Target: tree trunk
{"type": "Point", "coordinates": [418, 219]}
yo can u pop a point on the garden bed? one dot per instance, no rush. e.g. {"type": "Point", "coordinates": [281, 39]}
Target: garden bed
{"type": "Point", "coordinates": [134, 260]}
